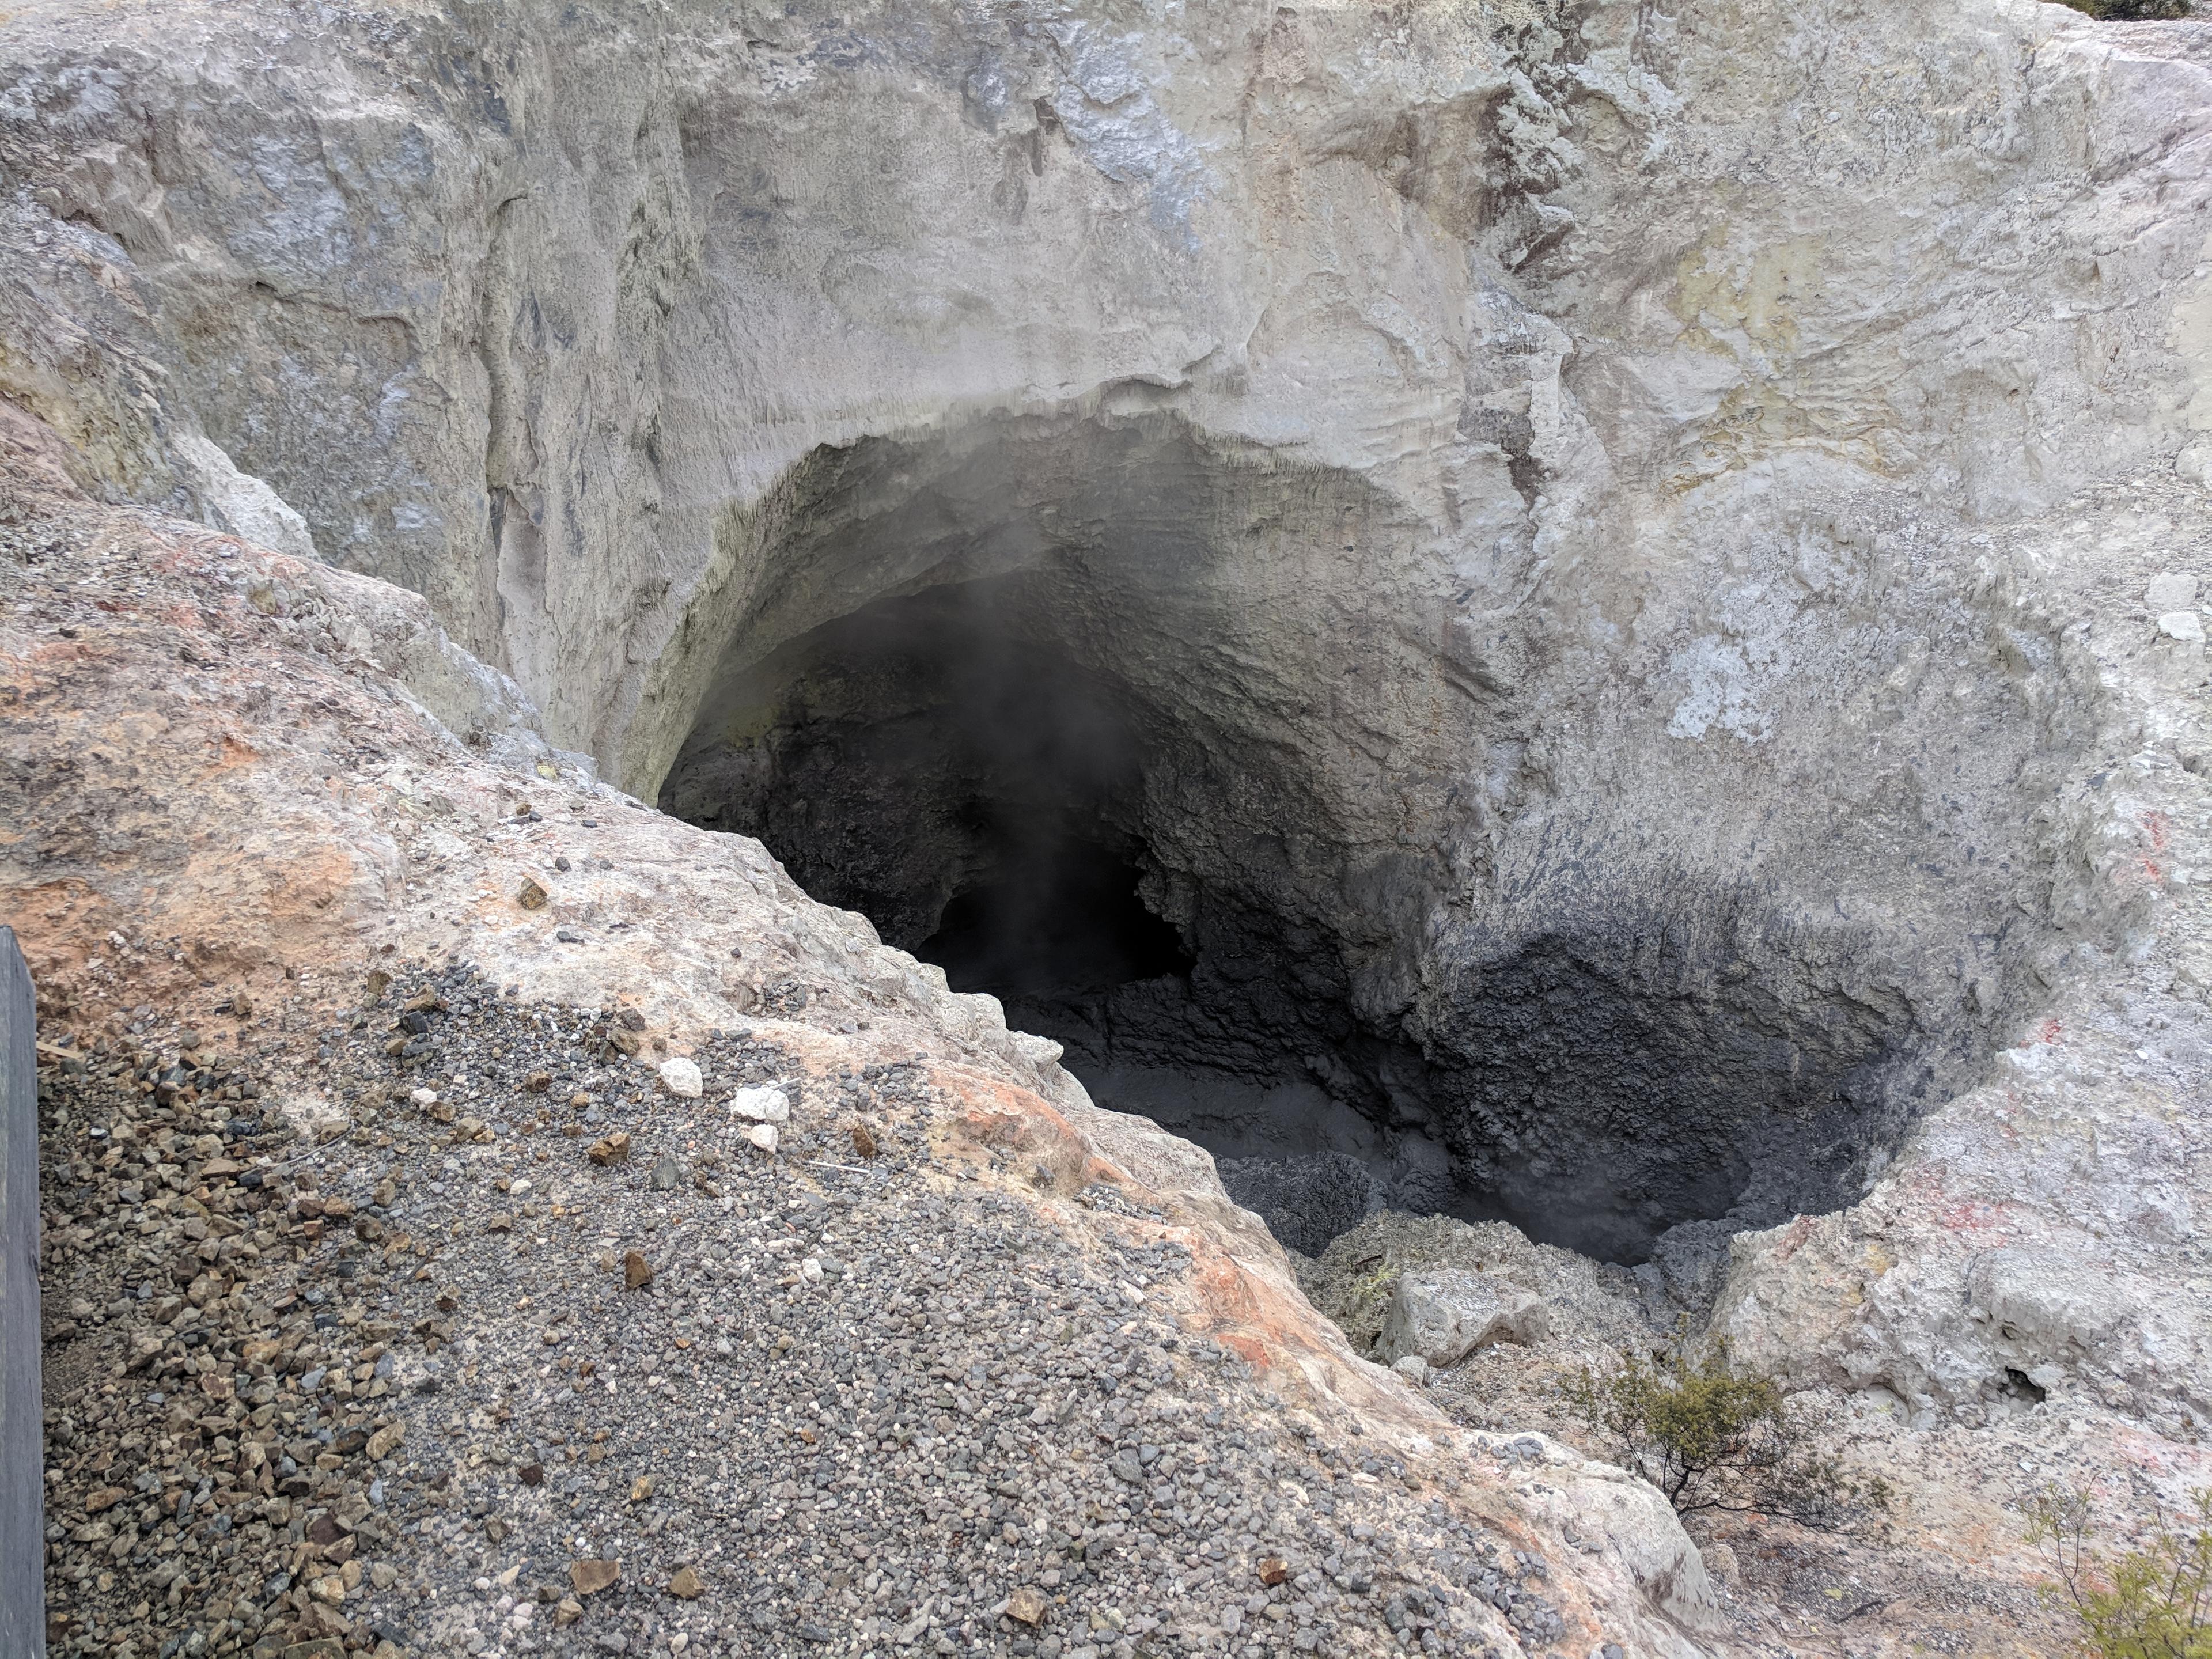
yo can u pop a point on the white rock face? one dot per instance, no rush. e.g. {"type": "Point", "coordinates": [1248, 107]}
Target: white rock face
{"type": "Point", "coordinates": [1605, 1506]}
{"type": "Point", "coordinates": [246, 507]}
{"type": "Point", "coordinates": [1445, 1314]}
{"type": "Point", "coordinates": [680, 1077]}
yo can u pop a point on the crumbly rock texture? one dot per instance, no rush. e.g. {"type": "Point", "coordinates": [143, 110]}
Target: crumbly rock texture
{"type": "Point", "coordinates": [1628, 580]}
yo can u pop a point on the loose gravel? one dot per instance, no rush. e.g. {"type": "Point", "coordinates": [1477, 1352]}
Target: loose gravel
{"type": "Point", "coordinates": [487, 1342]}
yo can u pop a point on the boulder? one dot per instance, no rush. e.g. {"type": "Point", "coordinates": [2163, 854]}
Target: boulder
{"type": "Point", "coordinates": [1693, 1260]}
{"type": "Point", "coordinates": [1447, 1314]}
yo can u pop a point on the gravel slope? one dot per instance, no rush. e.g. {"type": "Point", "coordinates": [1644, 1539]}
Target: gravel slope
{"type": "Point", "coordinates": [411, 1381]}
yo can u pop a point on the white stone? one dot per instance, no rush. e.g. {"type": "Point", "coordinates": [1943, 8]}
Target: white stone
{"type": "Point", "coordinates": [810, 1270]}
{"type": "Point", "coordinates": [239, 502]}
{"type": "Point", "coordinates": [763, 1135]}
{"type": "Point", "coordinates": [762, 1105]}
{"type": "Point", "coordinates": [2184, 625]}
{"type": "Point", "coordinates": [1414, 1369]}
{"type": "Point", "coordinates": [2176, 590]}
{"type": "Point", "coordinates": [680, 1077]}
{"type": "Point", "coordinates": [1445, 1314]}
{"type": "Point", "coordinates": [423, 1097]}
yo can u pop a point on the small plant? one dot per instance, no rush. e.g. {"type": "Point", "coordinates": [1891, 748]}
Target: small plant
{"type": "Point", "coordinates": [2130, 11]}
{"type": "Point", "coordinates": [1356, 1299]}
{"type": "Point", "coordinates": [2154, 1603]}
{"type": "Point", "coordinates": [1711, 1437]}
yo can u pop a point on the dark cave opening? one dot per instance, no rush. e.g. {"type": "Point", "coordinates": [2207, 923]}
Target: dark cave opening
{"type": "Point", "coordinates": [1059, 919]}
{"type": "Point", "coordinates": [946, 763]}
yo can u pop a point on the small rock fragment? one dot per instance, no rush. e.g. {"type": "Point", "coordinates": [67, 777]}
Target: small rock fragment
{"type": "Point", "coordinates": [762, 1105]}
{"type": "Point", "coordinates": [1027, 1605]}
{"type": "Point", "coordinates": [864, 1143]}
{"type": "Point", "coordinates": [2184, 625]}
{"type": "Point", "coordinates": [686, 1584]}
{"type": "Point", "coordinates": [637, 1271]}
{"type": "Point", "coordinates": [681, 1078]}
{"type": "Point", "coordinates": [530, 895]}
{"type": "Point", "coordinates": [589, 1578]}
{"type": "Point", "coordinates": [1273, 1569]}
{"type": "Point", "coordinates": [615, 1149]}
{"type": "Point", "coordinates": [1720, 1560]}
{"type": "Point", "coordinates": [763, 1136]}
{"type": "Point", "coordinates": [2172, 591]}
{"type": "Point", "coordinates": [666, 1173]}
{"type": "Point", "coordinates": [385, 1441]}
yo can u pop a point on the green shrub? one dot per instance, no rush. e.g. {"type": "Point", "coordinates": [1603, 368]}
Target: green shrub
{"type": "Point", "coordinates": [2154, 1603]}
{"type": "Point", "coordinates": [2130, 11]}
{"type": "Point", "coordinates": [1355, 1299]}
{"type": "Point", "coordinates": [1711, 1437]}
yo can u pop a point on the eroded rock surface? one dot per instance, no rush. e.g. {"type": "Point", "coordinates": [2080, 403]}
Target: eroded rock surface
{"type": "Point", "coordinates": [1623, 581]}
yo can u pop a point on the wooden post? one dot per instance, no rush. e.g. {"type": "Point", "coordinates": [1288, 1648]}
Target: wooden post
{"type": "Point", "coordinates": [22, 1432]}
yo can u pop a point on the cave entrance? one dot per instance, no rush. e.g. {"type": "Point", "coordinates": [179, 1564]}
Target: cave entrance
{"type": "Point", "coordinates": [1123, 726]}
{"type": "Point", "coordinates": [1057, 921]}
{"type": "Point", "coordinates": [1001, 799]}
